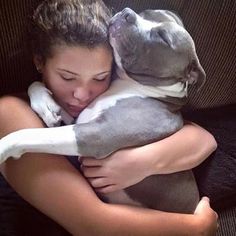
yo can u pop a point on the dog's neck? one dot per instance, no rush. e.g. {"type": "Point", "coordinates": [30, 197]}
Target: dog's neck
{"type": "Point", "coordinates": [177, 90]}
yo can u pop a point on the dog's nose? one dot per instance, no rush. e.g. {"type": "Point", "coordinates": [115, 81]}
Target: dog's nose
{"type": "Point", "coordinates": [129, 15]}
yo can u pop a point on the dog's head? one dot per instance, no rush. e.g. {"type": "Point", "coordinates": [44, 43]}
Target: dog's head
{"type": "Point", "coordinates": [154, 48]}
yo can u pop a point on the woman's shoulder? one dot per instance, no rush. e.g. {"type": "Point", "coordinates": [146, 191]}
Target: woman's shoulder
{"type": "Point", "coordinates": [14, 98]}
{"type": "Point", "coordinates": [15, 111]}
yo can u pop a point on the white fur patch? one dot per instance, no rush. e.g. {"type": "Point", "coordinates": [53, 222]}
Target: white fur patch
{"type": "Point", "coordinates": [125, 87]}
{"type": "Point", "coordinates": [60, 140]}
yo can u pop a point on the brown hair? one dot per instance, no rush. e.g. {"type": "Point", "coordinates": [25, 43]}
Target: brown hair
{"type": "Point", "coordinates": [68, 22]}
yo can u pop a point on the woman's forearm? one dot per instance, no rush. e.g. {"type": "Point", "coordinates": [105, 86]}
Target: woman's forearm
{"type": "Point", "coordinates": [53, 186]}
{"type": "Point", "coordinates": [140, 221]}
{"type": "Point", "coordinates": [183, 150]}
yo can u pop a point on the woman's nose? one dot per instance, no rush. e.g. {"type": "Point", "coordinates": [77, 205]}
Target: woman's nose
{"type": "Point", "coordinates": [82, 94]}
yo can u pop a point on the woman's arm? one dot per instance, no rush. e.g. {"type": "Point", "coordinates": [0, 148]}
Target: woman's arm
{"type": "Point", "coordinates": [57, 189]}
{"type": "Point", "coordinates": [181, 151]}
{"type": "Point", "coordinates": [184, 150]}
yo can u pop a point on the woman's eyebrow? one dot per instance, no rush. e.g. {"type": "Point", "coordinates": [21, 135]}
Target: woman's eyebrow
{"type": "Point", "coordinates": [68, 71]}
{"type": "Point", "coordinates": [104, 72]}
{"type": "Point", "coordinates": [71, 72]}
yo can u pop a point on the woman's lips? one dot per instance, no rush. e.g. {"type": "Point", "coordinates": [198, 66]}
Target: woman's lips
{"type": "Point", "coordinates": [75, 110]}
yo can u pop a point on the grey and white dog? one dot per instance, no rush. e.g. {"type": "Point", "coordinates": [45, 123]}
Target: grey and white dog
{"type": "Point", "coordinates": [156, 61]}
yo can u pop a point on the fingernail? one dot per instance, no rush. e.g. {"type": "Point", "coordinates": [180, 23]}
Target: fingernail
{"type": "Point", "coordinates": [206, 198]}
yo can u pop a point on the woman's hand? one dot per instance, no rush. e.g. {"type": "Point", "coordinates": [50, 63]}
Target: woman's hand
{"type": "Point", "coordinates": [129, 166]}
{"type": "Point", "coordinates": [118, 171]}
{"type": "Point", "coordinates": [206, 218]}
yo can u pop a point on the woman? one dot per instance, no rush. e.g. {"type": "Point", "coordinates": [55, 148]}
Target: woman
{"type": "Point", "coordinates": [71, 51]}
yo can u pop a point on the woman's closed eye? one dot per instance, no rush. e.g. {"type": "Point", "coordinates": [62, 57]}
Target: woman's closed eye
{"type": "Point", "coordinates": [100, 79]}
{"type": "Point", "coordinates": [67, 78]}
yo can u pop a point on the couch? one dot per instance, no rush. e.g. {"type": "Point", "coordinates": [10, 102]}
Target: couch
{"type": "Point", "coordinates": [212, 25]}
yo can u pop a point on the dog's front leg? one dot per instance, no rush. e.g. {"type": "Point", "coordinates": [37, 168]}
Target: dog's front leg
{"type": "Point", "coordinates": [60, 140]}
{"type": "Point", "coordinates": [42, 102]}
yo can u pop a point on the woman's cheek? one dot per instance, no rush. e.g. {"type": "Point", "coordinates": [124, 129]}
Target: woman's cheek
{"type": "Point", "coordinates": [101, 90]}
{"type": "Point", "coordinates": [60, 90]}
{"type": "Point", "coordinates": [106, 85]}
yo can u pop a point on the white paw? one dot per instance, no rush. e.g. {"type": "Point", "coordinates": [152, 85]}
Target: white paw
{"type": "Point", "coordinates": [50, 112]}
{"type": "Point", "coordinates": [44, 105]}
{"type": "Point", "coordinates": [7, 149]}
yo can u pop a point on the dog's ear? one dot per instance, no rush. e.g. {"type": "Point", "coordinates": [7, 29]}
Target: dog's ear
{"type": "Point", "coordinates": [195, 74]}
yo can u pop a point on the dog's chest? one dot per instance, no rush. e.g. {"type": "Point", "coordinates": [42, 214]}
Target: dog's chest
{"type": "Point", "coordinates": [119, 89]}
{"type": "Point", "coordinates": [126, 88]}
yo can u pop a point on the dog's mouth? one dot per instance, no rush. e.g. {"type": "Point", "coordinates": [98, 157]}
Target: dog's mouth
{"type": "Point", "coordinates": [121, 22]}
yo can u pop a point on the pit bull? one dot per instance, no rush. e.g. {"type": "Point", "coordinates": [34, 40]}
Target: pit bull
{"type": "Point", "coordinates": [156, 61]}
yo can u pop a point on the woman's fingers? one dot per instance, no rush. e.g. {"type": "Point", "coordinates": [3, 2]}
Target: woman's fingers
{"type": "Point", "coordinates": [203, 205]}
{"type": "Point", "coordinates": [98, 182]}
{"type": "Point", "coordinates": [106, 189]}
{"type": "Point", "coordinates": [90, 161]}
{"type": "Point", "coordinates": [91, 172]}
{"type": "Point", "coordinates": [103, 185]}
{"type": "Point", "coordinates": [208, 217]}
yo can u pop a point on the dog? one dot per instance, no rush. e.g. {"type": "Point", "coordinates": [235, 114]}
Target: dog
{"type": "Point", "coordinates": [156, 60]}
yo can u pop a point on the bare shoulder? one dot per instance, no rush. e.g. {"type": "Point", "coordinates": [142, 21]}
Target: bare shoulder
{"type": "Point", "coordinates": [16, 113]}
{"type": "Point", "coordinates": [13, 105]}
{"type": "Point", "coordinates": [12, 100]}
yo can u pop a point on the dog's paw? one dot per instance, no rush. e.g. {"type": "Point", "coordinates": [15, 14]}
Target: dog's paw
{"type": "Point", "coordinates": [43, 104]}
{"type": "Point", "coordinates": [48, 110]}
{"type": "Point", "coordinates": [8, 149]}
{"type": "Point", "coordinates": [51, 113]}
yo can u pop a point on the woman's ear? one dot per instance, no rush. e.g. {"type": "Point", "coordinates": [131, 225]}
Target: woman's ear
{"type": "Point", "coordinates": [38, 62]}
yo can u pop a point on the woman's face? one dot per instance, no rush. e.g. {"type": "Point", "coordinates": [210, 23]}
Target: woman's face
{"type": "Point", "coordinates": [76, 75]}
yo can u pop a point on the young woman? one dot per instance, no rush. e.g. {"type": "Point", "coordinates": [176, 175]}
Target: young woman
{"type": "Point", "coordinates": [72, 53]}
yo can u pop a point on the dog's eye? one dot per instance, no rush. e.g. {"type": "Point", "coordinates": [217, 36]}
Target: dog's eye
{"type": "Point", "coordinates": [161, 36]}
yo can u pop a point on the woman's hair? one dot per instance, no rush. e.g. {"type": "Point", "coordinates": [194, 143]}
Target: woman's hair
{"type": "Point", "coordinates": [68, 22]}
